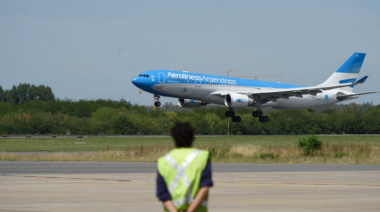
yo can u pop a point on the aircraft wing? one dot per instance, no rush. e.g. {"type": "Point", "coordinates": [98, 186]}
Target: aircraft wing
{"type": "Point", "coordinates": [273, 94]}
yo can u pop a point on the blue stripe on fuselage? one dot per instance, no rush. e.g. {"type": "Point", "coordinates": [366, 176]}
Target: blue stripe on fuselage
{"type": "Point", "coordinates": [173, 77]}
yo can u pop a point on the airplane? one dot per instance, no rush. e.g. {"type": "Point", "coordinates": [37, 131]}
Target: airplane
{"type": "Point", "coordinates": [195, 90]}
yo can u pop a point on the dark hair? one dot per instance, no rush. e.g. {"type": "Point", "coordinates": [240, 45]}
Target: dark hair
{"type": "Point", "coordinates": [183, 134]}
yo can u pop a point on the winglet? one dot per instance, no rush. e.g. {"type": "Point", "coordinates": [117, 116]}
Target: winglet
{"type": "Point", "coordinates": [362, 80]}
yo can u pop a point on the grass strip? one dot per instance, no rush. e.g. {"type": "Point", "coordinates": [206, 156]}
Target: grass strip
{"type": "Point", "coordinates": [225, 149]}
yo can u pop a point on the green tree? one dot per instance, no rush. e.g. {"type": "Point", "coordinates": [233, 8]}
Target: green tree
{"type": "Point", "coordinates": [24, 93]}
{"type": "Point", "coordinates": [212, 120]}
{"type": "Point", "coordinates": [125, 126]}
{"type": "Point", "coordinates": [146, 125]}
{"type": "Point", "coordinates": [2, 94]}
{"type": "Point", "coordinates": [103, 120]}
{"type": "Point", "coordinates": [371, 119]}
{"type": "Point", "coordinates": [40, 123]}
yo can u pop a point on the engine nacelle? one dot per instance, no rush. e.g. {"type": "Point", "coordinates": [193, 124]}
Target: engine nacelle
{"type": "Point", "coordinates": [341, 96]}
{"type": "Point", "coordinates": [235, 100]}
{"type": "Point", "coordinates": [190, 103]}
{"type": "Point", "coordinates": [334, 95]}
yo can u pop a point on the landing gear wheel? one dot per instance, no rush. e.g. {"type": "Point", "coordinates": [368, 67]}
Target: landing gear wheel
{"type": "Point", "coordinates": [236, 119]}
{"type": "Point", "coordinates": [156, 99]}
{"type": "Point", "coordinates": [229, 113]}
{"type": "Point", "coordinates": [263, 118]}
{"type": "Point", "coordinates": [257, 113]}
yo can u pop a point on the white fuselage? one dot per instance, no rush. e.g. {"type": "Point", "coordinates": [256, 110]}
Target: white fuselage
{"type": "Point", "coordinates": [194, 89]}
{"type": "Point", "coordinates": [203, 93]}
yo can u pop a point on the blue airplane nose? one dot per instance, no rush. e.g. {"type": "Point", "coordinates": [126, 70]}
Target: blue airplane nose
{"type": "Point", "coordinates": [139, 82]}
{"type": "Point", "coordinates": [136, 82]}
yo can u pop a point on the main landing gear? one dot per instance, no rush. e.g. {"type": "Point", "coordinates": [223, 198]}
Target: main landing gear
{"type": "Point", "coordinates": [256, 114]}
{"type": "Point", "coordinates": [231, 114]}
{"type": "Point", "coordinates": [157, 102]}
{"type": "Point", "coordinates": [259, 114]}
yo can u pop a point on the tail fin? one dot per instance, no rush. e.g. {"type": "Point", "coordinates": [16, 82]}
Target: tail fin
{"type": "Point", "coordinates": [348, 72]}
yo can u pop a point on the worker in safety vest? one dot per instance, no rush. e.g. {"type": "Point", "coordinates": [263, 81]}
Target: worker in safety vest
{"type": "Point", "coordinates": [184, 175]}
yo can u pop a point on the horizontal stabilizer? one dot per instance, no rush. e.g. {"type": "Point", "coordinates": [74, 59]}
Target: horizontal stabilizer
{"type": "Point", "coordinates": [362, 80]}
{"type": "Point", "coordinates": [342, 97]}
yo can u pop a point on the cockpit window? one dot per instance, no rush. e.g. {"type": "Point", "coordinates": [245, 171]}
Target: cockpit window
{"type": "Point", "coordinates": [144, 75]}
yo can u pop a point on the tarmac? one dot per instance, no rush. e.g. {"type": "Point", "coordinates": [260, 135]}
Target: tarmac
{"type": "Point", "coordinates": [233, 191]}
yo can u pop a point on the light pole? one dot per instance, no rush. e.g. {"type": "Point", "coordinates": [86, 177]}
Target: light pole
{"type": "Point", "coordinates": [228, 126]}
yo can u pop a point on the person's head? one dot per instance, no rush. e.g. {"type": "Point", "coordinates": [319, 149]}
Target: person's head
{"type": "Point", "coordinates": [183, 134]}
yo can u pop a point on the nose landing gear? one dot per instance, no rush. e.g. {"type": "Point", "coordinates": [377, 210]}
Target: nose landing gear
{"type": "Point", "coordinates": [157, 102]}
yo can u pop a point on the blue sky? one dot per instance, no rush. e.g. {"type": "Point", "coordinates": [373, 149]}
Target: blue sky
{"type": "Point", "coordinates": [92, 49]}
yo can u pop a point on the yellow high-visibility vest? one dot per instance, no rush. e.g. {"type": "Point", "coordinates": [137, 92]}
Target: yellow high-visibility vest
{"type": "Point", "coordinates": [181, 169]}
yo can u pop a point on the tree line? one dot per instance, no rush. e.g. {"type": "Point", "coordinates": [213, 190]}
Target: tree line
{"type": "Point", "coordinates": [24, 93]}
{"type": "Point", "coordinates": [105, 117]}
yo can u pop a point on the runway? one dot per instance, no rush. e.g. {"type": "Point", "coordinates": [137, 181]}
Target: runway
{"type": "Point", "coordinates": [32, 167]}
{"type": "Point", "coordinates": [109, 186]}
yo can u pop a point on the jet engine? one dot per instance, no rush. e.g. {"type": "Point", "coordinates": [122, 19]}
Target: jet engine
{"type": "Point", "coordinates": [190, 103]}
{"type": "Point", "coordinates": [341, 96]}
{"type": "Point", "coordinates": [235, 100]}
